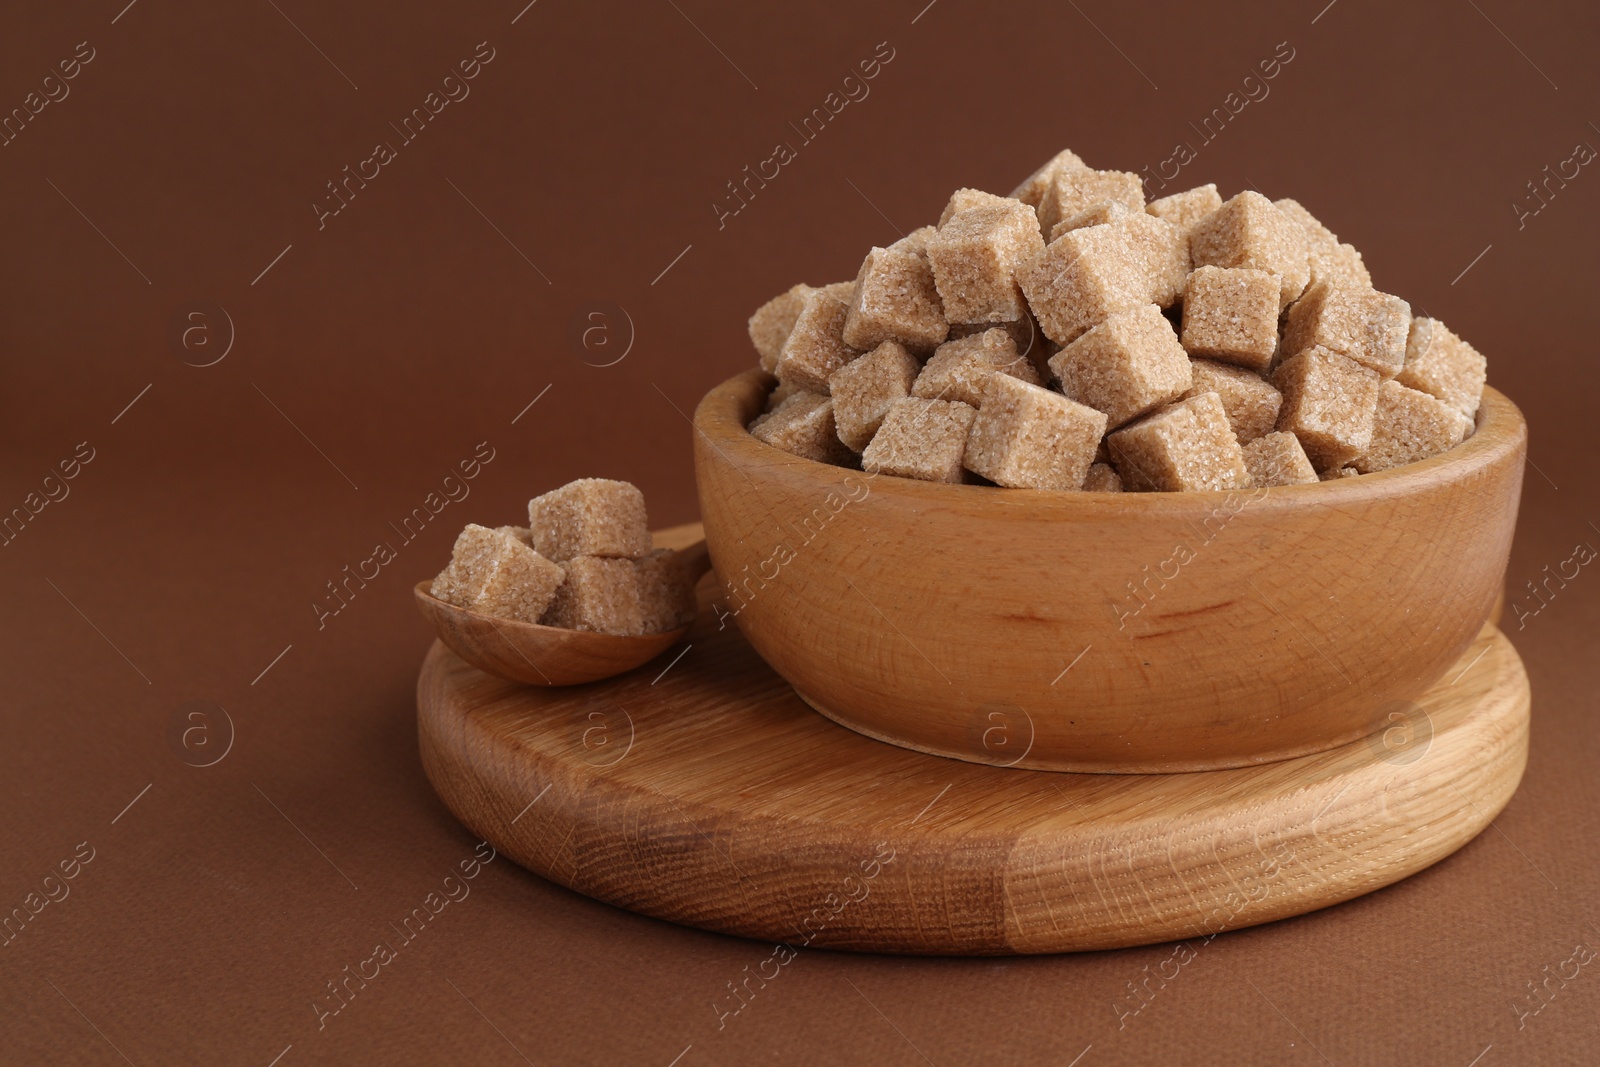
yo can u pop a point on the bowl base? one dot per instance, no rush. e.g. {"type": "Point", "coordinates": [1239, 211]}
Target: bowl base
{"type": "Point", "coordinates": [1028, 760]}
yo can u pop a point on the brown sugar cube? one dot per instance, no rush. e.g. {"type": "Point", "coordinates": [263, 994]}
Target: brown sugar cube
{"type": "Point", "coordinates": [601, 595]}
{"type": "Point", "coordinates": [815, 348]}
{"type": "Point", "coordinates": [1360, 324]}
{"type": "Point", "coordinates": [863, 390]}
{"type": "Point", "coordinates": [781, 392]}
{"type": "Point", "coordinates": [915, 241]}
{"type": "Point", "coordinates": [773, 325]}
{"type": "Point", "coordinates": [1182, 447]}
{"type": "Point", "coordinates": [1025, 334]}
{"type": "Point", "coordinates": [1083, 278]}
{"type": "Point", "coordinates": [958, 369]}
{"type": "Point", "coordinates": [521, 533]}
{"type": "Point", "coordinates": [1094, 215]}
{"type": "Point", "coordinates": [775, 401]}
{"type": "Point", "coordinates": [1247, 231]}
{"type": "Point", "coordinates": [1102, 478]}
{"type": "Point", "coordinates": [496, 573]}
{"type": "Point", "coordinates": [975, 257]}
{"type": "Point", "coordinates": [1126, 366]}
{"type": "Point", "coordinates": [1032, 190]}
{"type": "Point", "coordinates": [666, 595]}
{"type": "Point", "coordinates": [1251, 402]}
{"type": "Point", "coordinates": [803, 425]}
{"type": "Point", "coordinates": [1161, 251]}
{"type": "Point", "coordinates": [1408, 426]}
{"type": "Point", "coordinates": [1443, 365]}
{"type": "Point", "coordinates": [964, 199]}
{"type": "Point", "coordinates": [1231, 315]}
{"type": "Point", "coordinates": [519, 585]}
{"type": "Point", "coordinates": [589, 517]}
{"type": "Point", "coordinates": [1028, 437]}
{"type": "Point", "coordinates": [1091, 273]}
{"type": "Point", "coordinates": [919, 438]}
{"type": "Point", "coordinates": [474, 550]}
{"type": "Point", "coordinates": [1330, 261]}
{"type": "Point", "coordinates": [1074, 190]}
{"type": "Point", "coordinates": [1185, 209]}
{"type": "Point", "coordinates": [1335, 475]}
{"type": "Point", "coordinates": [1329, 403]}
{"type": "Point", "coordinates": [770, 325]}
{"type": "Point", "coordinates": [895, 300]}
{"type": "Point", "coordinates": [1277, 459]}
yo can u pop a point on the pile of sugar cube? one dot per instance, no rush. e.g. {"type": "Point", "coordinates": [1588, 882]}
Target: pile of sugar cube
{"type": "Point", "coordinates": [583, 562]}
{"type": "Point", "coordinates": [1073, 336]}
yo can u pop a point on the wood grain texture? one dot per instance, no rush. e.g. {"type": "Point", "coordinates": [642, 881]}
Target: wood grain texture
{"type": "Point", "coordinates": [704, 792]}
{"type": "Point", "coordinates": [1139, 631]}
{"type": "Point", "coordinates": [549, 655]}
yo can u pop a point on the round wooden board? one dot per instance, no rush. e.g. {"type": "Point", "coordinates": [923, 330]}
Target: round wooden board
{"type": "Point", "coordinates": [703, 791]}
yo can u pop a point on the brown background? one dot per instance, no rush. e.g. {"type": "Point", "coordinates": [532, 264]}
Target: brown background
{"type": "Point", "coordinates": [411, 328]}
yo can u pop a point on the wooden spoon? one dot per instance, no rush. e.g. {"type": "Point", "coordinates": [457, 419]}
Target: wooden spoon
{"type": "Point", "coordinates": [548, 655]}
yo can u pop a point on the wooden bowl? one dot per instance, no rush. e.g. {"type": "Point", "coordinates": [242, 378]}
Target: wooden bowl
{"type": "Point", "coordinates": [1121, 632]}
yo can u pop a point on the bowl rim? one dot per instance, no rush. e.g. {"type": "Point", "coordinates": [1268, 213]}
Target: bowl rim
{"type": "Point", "coordinates": [1499, 429]}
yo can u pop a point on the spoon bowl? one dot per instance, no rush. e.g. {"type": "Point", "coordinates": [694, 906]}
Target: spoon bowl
{"type": "Point", "coordinates": [548, 655]}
